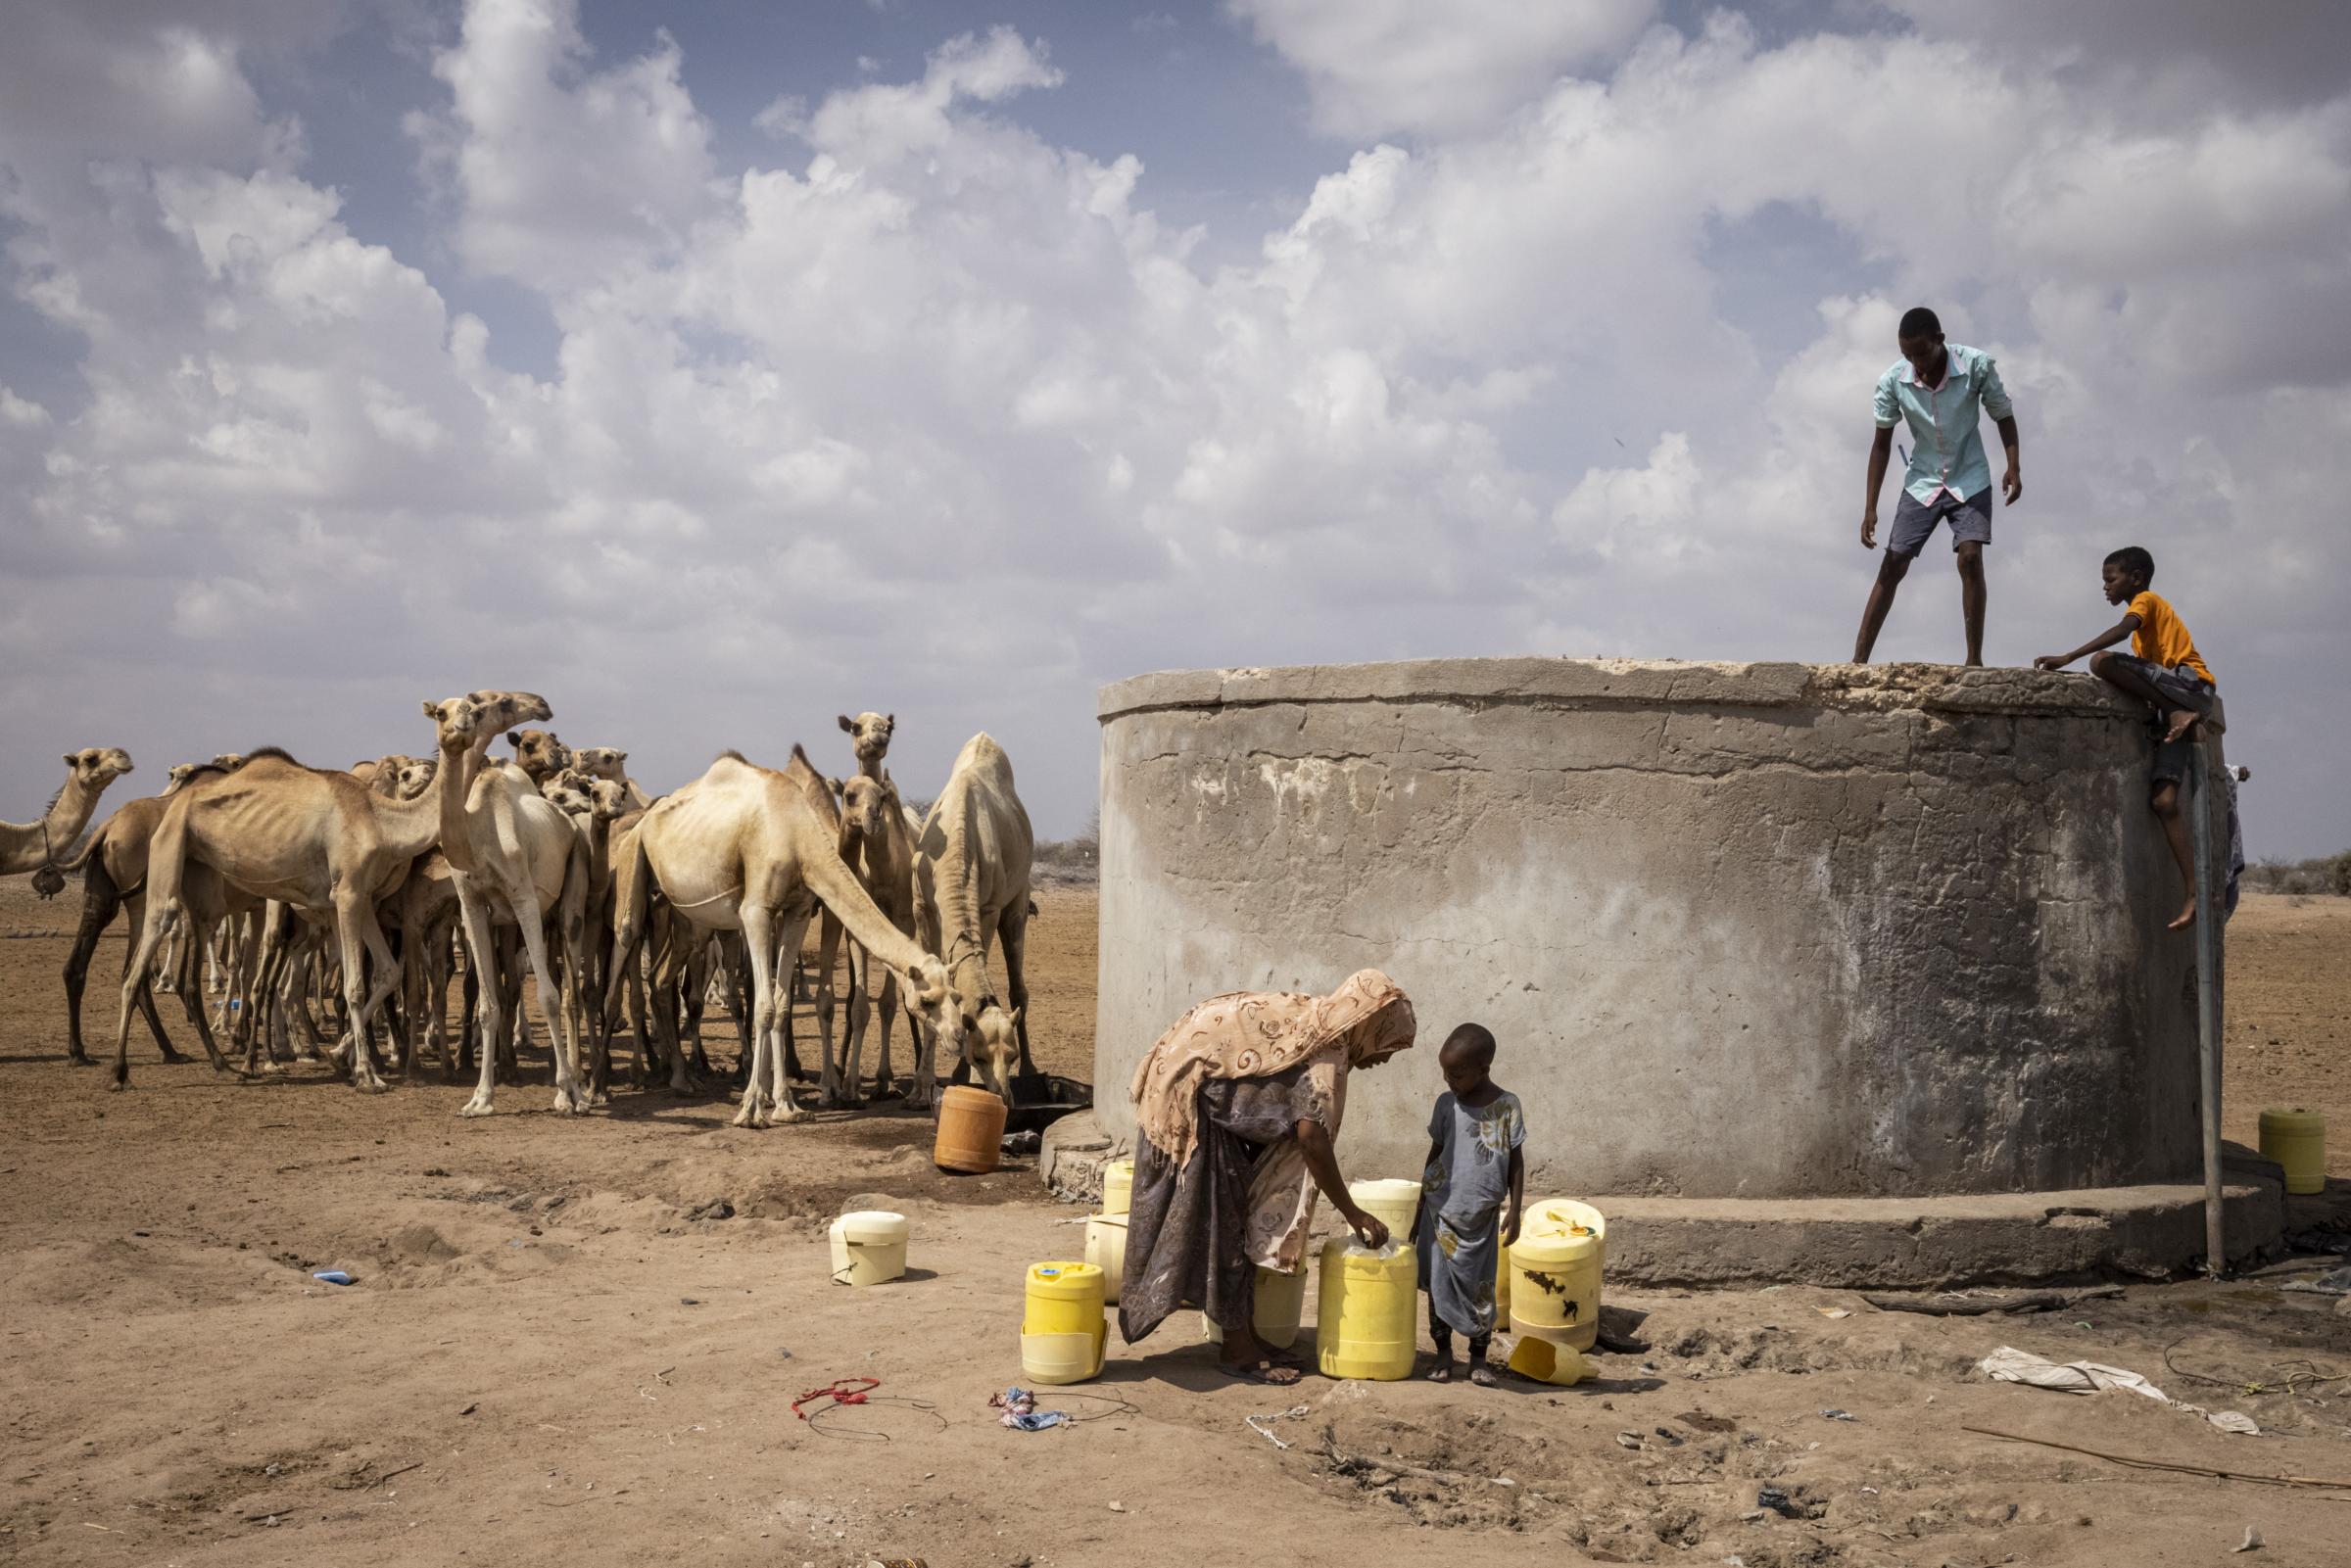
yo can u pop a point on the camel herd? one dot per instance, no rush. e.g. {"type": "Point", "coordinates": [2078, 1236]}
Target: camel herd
{"type": "Point", "coordinates": [292, 886]}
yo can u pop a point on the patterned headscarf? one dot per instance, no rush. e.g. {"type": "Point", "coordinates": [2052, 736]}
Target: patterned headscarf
{"type": "Point", "coordinates": [1255, 1034]}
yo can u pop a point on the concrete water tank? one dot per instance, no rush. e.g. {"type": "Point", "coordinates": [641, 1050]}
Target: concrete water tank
{"type": "Point", "coordinates": [1763, 932]}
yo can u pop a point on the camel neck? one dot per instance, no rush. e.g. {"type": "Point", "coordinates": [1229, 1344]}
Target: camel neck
{"type": "Point", "coordinates": [453, 782]}
{"type": "Point", "coordinates": [410, 827]}
{"type": "Point", "coordinates": [68, 811]}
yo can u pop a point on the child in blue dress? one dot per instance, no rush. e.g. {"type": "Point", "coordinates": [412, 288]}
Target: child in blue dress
{"type": "Point", "coordinates": [1472, 1194]}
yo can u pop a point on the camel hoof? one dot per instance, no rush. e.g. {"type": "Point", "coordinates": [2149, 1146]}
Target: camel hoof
{"type": "Point", "coordinates": [477, 1106]}
{"type": "Point", "coordinates": [78, 1059]}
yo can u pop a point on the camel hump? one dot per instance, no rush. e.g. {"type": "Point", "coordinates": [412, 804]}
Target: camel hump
{"type": "Point", "coordinates": [980, 755]}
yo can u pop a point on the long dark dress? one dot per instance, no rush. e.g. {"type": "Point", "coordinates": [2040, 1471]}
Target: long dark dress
{"type": "Point", "coordinates": [1188, 1229]}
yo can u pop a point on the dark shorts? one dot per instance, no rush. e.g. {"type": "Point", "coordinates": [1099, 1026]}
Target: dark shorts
{"type": "Point", "coordinates": [2181, 688]}
{"type": "Point", "coordinates": [1914, 520]}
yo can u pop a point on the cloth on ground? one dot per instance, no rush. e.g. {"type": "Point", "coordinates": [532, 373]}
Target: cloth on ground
{"type": "Point", "coordinates": [2008, 1364]}
{"type": "Point", "coordinates": [1021, 1412]}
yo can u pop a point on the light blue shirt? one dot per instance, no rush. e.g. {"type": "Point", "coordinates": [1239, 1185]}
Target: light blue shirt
{"type": "Point", "coordinates": [1946, 451]}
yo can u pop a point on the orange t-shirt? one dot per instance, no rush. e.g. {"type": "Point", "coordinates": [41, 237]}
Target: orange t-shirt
{"type": "Point", "coordinates": [2162, 637]}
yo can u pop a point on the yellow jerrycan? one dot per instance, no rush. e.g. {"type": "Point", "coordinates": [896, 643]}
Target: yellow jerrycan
{"type": "Point", "coordinates": [1556, 1275]}
{"type": "Point", "coordinates": [1062, 1329]}
{"type": "Point", "coordinates": [1364, 1322]}
{"type": "Point", "coordinates": [2297, 1140]}
{"type": "Point", "coordinates": [1280, 1302]}
{"type": "Point", "coordinates": [1546, 1362]}
{"type": "Point", "coordinates": [1117, 1186]}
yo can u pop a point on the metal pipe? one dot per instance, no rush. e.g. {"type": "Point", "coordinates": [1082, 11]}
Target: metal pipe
{"type": "Point", "coordinates": [2208, 1005]}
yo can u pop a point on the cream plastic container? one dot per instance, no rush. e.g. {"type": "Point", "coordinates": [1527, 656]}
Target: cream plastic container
{"type": "Point", "coordinates": [1394, 1201]}
{"type": "Point", "coordinates": [869, 1247]}
{"type": "Point", "coordinates": [1106, 1249]}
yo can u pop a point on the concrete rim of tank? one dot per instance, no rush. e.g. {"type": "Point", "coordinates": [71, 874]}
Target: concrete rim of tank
{"type": "Point", "coordinates": [1634, 683]}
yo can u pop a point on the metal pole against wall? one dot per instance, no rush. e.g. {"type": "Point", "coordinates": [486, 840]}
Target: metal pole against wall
{"type": "Point", "coordinates": [2208, 1004]}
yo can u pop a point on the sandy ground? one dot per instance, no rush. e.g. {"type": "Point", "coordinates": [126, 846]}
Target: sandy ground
{"type": "Point", "coordinates": [545, 1354]}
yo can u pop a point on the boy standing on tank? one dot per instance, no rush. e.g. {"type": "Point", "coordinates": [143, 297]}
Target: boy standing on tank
{"type": "Point", "coordinates": [1473, 1197]}
{"type": "Point", "coordinates": [2163, 670]}
{"type": "Point", "coordinates": [1941, 391]}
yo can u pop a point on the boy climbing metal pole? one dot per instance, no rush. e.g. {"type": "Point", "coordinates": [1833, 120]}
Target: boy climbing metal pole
{"type": "Point", "coordinates": [1941, 390]}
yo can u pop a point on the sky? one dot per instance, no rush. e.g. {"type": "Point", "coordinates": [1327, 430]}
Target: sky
{"type": "Point", "coordinates": [716, 368]}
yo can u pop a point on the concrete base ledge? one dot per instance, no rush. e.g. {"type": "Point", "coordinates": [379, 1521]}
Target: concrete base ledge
{"type": "Point", "coordinates": [1931, 1243]}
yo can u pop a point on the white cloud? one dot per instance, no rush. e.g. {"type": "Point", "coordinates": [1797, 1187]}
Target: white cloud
{"type": "Point", "coordinates": [1379, 66]}
{"type": "Point", "coordinates": [21, 413]}
{"type": "Point", "coordinates": [563, 172]}
{"type": "Point", "coordinates": [925, 411]}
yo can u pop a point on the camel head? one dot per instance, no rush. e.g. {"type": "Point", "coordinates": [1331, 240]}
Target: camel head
{"type": "Point", "coordinates": [96, 767]}
{"type": "Point", "coordinates": [468, 722]}
{"type": "Point", "coordinates": [602, 762]}
{"type": "Point", "coordinates": [869, 735]}
{"type": "Point", "coordinates": [993, 1046]}
{"type": "Point", "coordinates": [560, 794]}
{"type": "Point", "coordinates": [228, 761]}
{"type": "Point", "coordinates": [863, 802]}
{"type": "Point", "coordinates": [413, 778]}
{"type": "Point", "coordinates": [598, 798]}
{"type": "Point", "coordinates": [539, 753]}
{"type": "Point", "coordinates": [177, 776]}
{"type": "Point", "coordinates": [933, 1002]}
{"type": "Point", "coordinates": [381, 775]}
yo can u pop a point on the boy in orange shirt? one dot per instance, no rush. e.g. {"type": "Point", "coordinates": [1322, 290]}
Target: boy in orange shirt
{"type": "Point", "coordinates": [2164, 670]}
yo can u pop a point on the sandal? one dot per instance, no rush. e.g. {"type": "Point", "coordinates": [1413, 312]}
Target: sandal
{"type": "Point", "coordinates": [1262, 1371]}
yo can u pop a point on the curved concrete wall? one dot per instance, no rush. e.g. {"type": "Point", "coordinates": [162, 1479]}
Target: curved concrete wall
{"type": "Point", "coordinates": [1749, 931]}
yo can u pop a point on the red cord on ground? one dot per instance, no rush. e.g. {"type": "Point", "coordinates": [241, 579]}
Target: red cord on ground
{"type": "Point", "coordinates": [840, 1390]}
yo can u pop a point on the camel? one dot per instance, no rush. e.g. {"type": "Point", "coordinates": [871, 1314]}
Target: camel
{"type": "Point", "coordinates": [751, 848]}
{"type": "Point", "coordinates": [877, 844]}
{"type": "Point", "coordinates": [971, 887]}
{"type": "Point", "coordinates": [114, 871]}
{"type": "Point", "coordinates": [538, 753]}
{"type": "Point", "coordinates": [593, 805]}
{"type": "Point", "coordinates": [35, 846]}
{"type": "Point", "coordinates": [511, 852]}
{"type": "Point", "coordinates": [322, 843]}
{"type": "Point", "coordinates": [609, 762]}
{"type": "Point", "coordinates": [869, 737]}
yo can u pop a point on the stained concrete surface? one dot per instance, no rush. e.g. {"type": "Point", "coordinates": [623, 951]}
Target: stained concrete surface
{"type": "Point", "coordinates": [1744, 932]}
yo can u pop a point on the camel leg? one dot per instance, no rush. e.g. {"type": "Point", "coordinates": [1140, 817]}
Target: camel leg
{"type": "Point", "coordinates": [758, 937]}
{"type": "Point", "coordinates": [570, 1099]}
{"type": "Point", "coordinates": [662, 1003]}
{"type": "Point", "coordinates": [166, 862]}
{"type": "Point", "coordinates": [99, 902]}
{"type": "Point", "coordinates": [191, 1000]}
{"type": "Point", "coordinates": [788, 941]}
{"type": "Point", "coordinates": [885, 1081]}
{"type": "Point", "coordinates": [167, 965]}
{"type": "Point", "coordinates": [829, 1091]}
{"type": "Point", "coordinates": [861, 1013]}
{"type": "Point", "coordinates": [355, 926]}
{"type": "Point", "coordinates": [1012, 933]}
{"type": "Point", "coordinates": [481, 949]}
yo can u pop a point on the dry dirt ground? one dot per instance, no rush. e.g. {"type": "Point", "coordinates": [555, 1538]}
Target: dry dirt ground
{"type": "Point", "coordinates": [548, 1357]}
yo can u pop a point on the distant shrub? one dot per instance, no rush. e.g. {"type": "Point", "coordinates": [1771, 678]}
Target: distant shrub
{"type": "Point", "coordinates": [2328, 875]}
